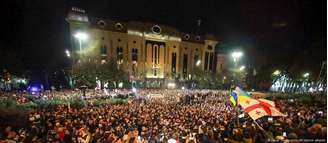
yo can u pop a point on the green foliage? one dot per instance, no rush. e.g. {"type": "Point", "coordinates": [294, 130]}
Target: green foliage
{"type": "Point", "coordinates": [205, 79]}
{"type": "Point", "coordinates": [87, 73]}
{"type": "Point", "coordinates": [305, 99]}
{"type": "Point", "coordinates": [74, 102]}
{"type": "Point", "coordinates": [302, 98]}
{"type": "Point", "coordinates": [28, 106]}
{"type": "Point", "coordinates": [9, 103]}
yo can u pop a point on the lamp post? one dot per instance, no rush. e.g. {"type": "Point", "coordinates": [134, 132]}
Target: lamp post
{"type": "Point", "coordinates": [236, 55]}
{"type": "Point", "coordinates": [68, 55]}
{"type": "Point", "coordinates": [193, 72]}
{"type": "Point", "coordinates": [80, 36]}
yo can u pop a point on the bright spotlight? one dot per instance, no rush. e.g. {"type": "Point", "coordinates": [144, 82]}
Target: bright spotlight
{"type": "Point", "coordinates": [81, 36]}
{"type": "Point", "coordinates": [68, 54]}
{"type": "Point", "coordinates": [276, 72]}
{"type": "Point", "coordinates": [171, 85]}
{"type": "Point", "coordinates": [237, 54]}
{"type": "Point", "coordinates": [198, 63]}
{"type": "Point", "coordinates": [134, 90]}
{"type": "Point", "coordinates": [242, 68]}
{"type": "Point", "coordinates": [306, 75]}
{"type": "Point", "coordinates": [182, 87]}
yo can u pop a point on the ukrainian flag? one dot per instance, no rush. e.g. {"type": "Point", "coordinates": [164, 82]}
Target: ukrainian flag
{"type": "Point", "coordinates": [238, 95]}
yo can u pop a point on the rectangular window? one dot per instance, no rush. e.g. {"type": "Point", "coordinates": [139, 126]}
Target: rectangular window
{"type": "Point", "coordinates": [134, 55]}
{"type": "Point", "coordinates": [196, 58]}
{"type": "Point", "coordinates": [211, 61]}
{"type": "Point", "coordinates": [155, 54]}
{"type": "Point", "coordinates": [119, 52]}
{"type": "Point", "coordinates": [152, 54]}
{"type": "Point", "coordinates": [185, 65]}
{"type": "Point", "coordinates": [174, 62]}
{"type": "Point", "coordinates": [103, 50]}
{"type": "Point", "coordinates": [206, 61]}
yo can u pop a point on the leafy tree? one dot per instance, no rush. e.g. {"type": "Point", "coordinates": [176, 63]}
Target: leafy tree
{"type": "Point", "coordinates": [87, 74]}
{"type": "Point", "coordinates": [204, 79]}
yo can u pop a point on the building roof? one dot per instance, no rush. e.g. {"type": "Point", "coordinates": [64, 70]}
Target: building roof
{"type": "Point", "coordinates": [144, 27]}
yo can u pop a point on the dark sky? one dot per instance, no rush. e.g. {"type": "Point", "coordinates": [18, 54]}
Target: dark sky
{"type": "Point", "coordinates": [273, 33]}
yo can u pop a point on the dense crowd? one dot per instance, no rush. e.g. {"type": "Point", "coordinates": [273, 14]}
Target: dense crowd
{"type": "Point", "coordinates": [168, 116]}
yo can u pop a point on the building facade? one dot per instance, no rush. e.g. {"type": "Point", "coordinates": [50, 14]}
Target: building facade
{"type": "Point", "coordinates": [146, 50]}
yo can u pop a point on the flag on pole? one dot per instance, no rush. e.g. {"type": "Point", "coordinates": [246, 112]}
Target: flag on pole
{"type": "Point", "coordinates": [257, 108]}
{"type": "Point", "coordinates": [238, 96]}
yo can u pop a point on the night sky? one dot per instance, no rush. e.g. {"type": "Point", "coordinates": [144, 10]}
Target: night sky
{"type": "Point", "coordinates": [287, 34]}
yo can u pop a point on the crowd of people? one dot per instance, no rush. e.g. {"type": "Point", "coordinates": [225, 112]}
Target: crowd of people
{"type": "Point", "coordinates": [153, 116]}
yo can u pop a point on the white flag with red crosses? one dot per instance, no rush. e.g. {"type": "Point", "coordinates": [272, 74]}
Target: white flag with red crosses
{"type": "Point", "coordinates": [257, 108]}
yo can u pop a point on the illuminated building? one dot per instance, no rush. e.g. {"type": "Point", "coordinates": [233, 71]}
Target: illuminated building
{"type": "Point", "coordinates": [145, 50]}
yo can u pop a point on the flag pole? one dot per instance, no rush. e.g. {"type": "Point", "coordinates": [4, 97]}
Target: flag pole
{"type": "Point", "coordinates": [265, 133]}
{"type": "Point", "coordinates": [238, 112]}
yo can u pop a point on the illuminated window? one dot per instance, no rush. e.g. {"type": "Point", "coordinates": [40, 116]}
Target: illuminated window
{"type": "Point", "coordinates": [119, 52]}
{"type": "Point", "coordinates": [211, 61]}
{"type": "Point", "coordinates": [174, 62]}
{"type": "Point", "coordinates": [155, 72]}
{"type": "Point", "coordinates": [134, 54]}
{"type": "Point", "coordinates": [206, 61]}
{"type": "Point", "coordinates": [185, 65]}
{"type": "Point", "coordinates": [134, 69]}
{"type": "Point", "coordinates": [103, 50]}
{"type": "Point", "coordinates": [196, 58]}
{"type": "Point", "coordinates": [103, 61]}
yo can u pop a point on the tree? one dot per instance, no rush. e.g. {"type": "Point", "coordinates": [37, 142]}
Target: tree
{"type": "Point", "coordinates": [204, 79]}
{"type": "Point", "coordinates": [88, 73]}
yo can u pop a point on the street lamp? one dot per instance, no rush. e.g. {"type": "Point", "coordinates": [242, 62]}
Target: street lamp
{"type": "Point", "coordinates": [306, 75]}
{"type": "Point", "coordinates": [68, 54]}
{"type": "Point", "coordinates": [242, 68]}
{"type": "Point", "coordinates": [198, 63]}
{"type": "Point", "coordinates": [81, 36]}
{"type": "Point", "coordinates": [236, 55]}
{"type": "Point", "coordinates": [276, 72]}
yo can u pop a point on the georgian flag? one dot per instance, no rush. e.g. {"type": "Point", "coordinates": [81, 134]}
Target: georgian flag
{"type": "Point", "coordinates": [257, 108]}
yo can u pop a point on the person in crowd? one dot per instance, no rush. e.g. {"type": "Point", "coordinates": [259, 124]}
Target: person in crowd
{"type": "Point", "coordinates": [198, 116]}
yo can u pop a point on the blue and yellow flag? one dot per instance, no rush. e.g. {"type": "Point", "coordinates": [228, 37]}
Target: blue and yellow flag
{"type": "Point", "coordinates": [238, 96]}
